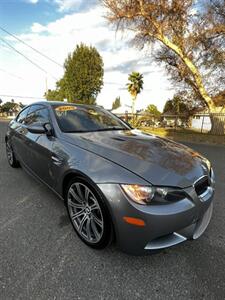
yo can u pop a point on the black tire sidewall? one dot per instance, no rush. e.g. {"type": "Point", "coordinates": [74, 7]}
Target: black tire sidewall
{"type": "Point", "coordinates": [15, 163]}
{"type": "Point", "coordinates": [107, 231]}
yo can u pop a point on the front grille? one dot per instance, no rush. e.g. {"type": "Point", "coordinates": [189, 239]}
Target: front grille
{"type": "Point", "coordinates": [201, 185]}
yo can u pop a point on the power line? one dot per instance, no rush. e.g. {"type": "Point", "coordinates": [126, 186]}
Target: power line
{"type": "Point", "coordinates": [10, 46]}
{"type": "Point", "coordinates": [13, 75]}
{"type": "Point", "coordinates": [31, 61]}
{"type": "Point", "coordinates": [25, 97]}
{"type": "Point", "coordinates": [37, 51]}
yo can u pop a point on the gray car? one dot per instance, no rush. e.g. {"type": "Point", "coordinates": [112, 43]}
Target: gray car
{"type": "Point", "coordinates": [118, 183]}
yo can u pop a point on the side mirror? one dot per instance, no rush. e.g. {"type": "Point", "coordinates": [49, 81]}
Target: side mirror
{"type": "Point", "coordinates": [38, 129]}
{"type": "Point", "coordinates": [48, 129]}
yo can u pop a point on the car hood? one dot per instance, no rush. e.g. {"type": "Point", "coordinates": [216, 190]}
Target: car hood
{"type": "Point", "coordinates": [157, 160]}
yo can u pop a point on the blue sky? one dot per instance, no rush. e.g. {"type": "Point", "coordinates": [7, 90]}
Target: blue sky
{"type": "Point", "coordinates": [55, 27]}
{"type": "Point", "coordinates": [18, 15]}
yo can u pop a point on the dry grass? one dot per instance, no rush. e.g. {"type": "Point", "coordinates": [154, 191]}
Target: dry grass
{"type": "Point", "coordinates": [186, 135]}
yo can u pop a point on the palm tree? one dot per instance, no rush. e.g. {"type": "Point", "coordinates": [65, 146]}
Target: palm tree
{"type": "Point", "coordinates": [134, 86]}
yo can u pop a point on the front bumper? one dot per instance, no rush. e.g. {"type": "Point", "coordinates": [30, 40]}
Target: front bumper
{"type": "Point", "coordinates": [165, 225]}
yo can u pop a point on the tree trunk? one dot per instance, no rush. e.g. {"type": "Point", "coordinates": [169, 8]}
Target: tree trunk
{"type": "Point", "coordinates": [218, 124]}
{"type": "Point", "coordinates": [133, 106]}
{"type": "Point", "coordinates": [193, 70]}
{"type": "Point", "coordinates": [217, 120]}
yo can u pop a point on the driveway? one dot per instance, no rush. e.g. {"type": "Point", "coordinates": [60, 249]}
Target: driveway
{"type": "Point", "coordinates": [42, 258]}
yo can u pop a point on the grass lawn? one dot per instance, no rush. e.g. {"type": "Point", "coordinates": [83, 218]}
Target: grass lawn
{"type": "Point", "coordinates": [186, 135]}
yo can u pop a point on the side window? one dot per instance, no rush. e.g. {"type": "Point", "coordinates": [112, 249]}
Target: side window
{"type": "Point", "coordinates": [35, 107]}
{"type": "Point", "coordinates": [22, 116]}
{"type": "Point", "coordinates": [40, 116]}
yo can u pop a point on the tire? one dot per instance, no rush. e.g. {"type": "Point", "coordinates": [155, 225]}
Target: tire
{"type": "Point", "coordinates": [88, 213]}
{"type": "Point", "coordinates": [13, 162]}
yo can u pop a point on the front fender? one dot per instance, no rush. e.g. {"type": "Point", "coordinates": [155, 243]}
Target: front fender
{"type": "Point", "coordinates": [83, 162]}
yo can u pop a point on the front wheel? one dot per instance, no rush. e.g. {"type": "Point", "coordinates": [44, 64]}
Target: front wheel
{"type": "Point", "coordinates": [88, 213]}
{"type": "Point", "coordinates": [11, 156]}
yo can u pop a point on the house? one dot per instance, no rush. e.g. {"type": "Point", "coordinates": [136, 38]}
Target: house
{"type": "Point", "coordinates": [10, 109]}
{"type": "Point", "coordinates": [16, 109]}
{"type": "Point", "coordinates": [201, 121]}
{"type": "Point", "coordinates": [169, 119]}
{"type": "Point", "coordinates": [122, 110]}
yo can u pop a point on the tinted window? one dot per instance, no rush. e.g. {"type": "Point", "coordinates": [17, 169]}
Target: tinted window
{"type": "Point", "coordinates": [40, 116]}
{"type": "Point", "coordinates": [81, 118]}
{"type": "Point", "coordinates": [22, 116]}
{"type": "Point", "coordinates": [35, 107]}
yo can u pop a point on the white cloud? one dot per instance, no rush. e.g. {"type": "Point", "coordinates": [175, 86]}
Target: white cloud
{"type": "Point", "coordinates": [38, 28]}
{"type": "Point", "coordinates": [32, 1]}
{"type": "Point", "coordinates": [58, 38]}
{"type": "Point", "coordinates": [66, 5]}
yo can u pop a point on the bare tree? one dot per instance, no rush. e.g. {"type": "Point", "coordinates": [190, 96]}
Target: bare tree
{"type": "Point", "coordinates": [190, 38]}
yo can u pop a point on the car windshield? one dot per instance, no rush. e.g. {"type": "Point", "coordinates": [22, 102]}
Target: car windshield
{"type": "Point", "coordinates": [83, 118]}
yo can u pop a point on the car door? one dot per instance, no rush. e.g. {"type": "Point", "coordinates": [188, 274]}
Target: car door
{"type": "Point", "coordinates": [19, 136]}
{"type": "Point", "coordinates": [39, 146]}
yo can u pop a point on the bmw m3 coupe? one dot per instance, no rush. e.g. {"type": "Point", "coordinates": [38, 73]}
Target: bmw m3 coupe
{"type": "Point", "coordinates": [118, 183]}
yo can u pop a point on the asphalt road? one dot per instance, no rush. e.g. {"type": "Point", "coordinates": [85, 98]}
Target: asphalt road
{"type": "Point", "coordinates": [42, 258]}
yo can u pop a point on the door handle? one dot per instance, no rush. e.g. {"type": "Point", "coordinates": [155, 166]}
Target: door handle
{"type": "Point", "coordinates": [56, 160]}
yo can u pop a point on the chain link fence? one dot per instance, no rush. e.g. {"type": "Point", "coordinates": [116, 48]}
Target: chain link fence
{"type": "Point", "coordinates": [202, 123]}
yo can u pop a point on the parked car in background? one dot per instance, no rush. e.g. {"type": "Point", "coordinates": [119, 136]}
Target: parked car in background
{"type": "Point", "coordinates": [118, 183]}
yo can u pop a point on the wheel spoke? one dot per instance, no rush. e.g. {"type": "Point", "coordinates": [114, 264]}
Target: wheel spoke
{"type": "Point", "coordinates": [97, 220]}
{"type": "Point", "coordinates": [94, 229]}
{"type": "Point", "coordinates": [94, 206]}
{"type": "Point", "coordinates": [78, 214]}
{"type": "Point", "coordinates": [79, 191]}
{"type": "Point", "coordinates": [88, 229]}
{"type": "Point", "coordinates": [74, 195]}
{"type": "Point", "coordinates": [75, 205]}
{"type": "Point", "coordinates": [82, 223]}
{"type": "Point", "coordinates": [87, 192]}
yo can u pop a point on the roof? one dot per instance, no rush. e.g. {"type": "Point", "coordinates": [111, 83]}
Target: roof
{"type": "Point", "coordinates": [52, 103]}
{"type": "Point", "coordinates": [49, 102]}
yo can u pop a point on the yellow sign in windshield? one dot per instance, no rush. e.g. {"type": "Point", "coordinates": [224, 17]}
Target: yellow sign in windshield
{"type": "Point", "coordinates": [92, 112]}
{"type": "Point", "coordinates": [65, 108]}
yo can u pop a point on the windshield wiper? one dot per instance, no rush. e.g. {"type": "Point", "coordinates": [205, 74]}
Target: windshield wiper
{"type": "Point", "coordinates": [110, 128]}
{"type": "Point", "coordinates": [99, 129]}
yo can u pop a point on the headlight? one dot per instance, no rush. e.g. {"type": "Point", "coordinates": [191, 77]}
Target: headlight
{"type": "Point", "coordinates": [139, 193]}
{"type": "Point", "coordinates": [147, 194]}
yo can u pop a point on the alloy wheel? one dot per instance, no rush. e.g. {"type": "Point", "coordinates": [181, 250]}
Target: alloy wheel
{"type": "Point", "coordinates": [85, 212]}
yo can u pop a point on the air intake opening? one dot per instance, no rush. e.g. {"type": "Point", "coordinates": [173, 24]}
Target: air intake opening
{"type": "Point", "coordinates": [202, 185]}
